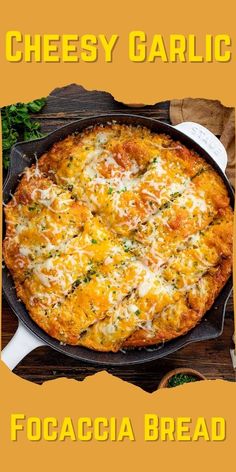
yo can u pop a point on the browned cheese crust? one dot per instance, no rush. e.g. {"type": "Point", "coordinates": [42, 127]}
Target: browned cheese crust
{"type": "Point", "coordinates": [119, 238]}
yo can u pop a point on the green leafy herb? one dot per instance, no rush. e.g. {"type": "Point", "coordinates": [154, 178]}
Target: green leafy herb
{"type": "Point", "coordinates": [166, 205]}
{"type": "Point", "coordinates": [199, 172]}
{"type": "Point", "coordinates": [17, 125]}
{"type": "Point", "coordinates": [179, 379]}
{"type": "Point", "coordinates": [175, 194]}
{"type": "Point", "coordinates": [76, 283]}
{"type": "Point", "coordinates": [32, 208]}
{"type": "Point", "coordinates": [87, 279]}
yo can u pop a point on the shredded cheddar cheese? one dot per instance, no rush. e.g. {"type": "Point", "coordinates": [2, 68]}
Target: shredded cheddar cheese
{"type": "Point", "coordinates": [118, 237]}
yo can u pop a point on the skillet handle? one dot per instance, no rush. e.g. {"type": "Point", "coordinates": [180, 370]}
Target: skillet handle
{"type": "Point", "coordinates": [22, 343]}
{"type": "Point", "coordinates": [207, 141]}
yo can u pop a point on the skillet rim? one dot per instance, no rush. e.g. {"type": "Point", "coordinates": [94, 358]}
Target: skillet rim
{"type": "Point", "coordinates": [131, 356]}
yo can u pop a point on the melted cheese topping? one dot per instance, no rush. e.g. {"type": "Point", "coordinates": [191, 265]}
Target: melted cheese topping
{"type": "Point", "coordinates": [115, 234]}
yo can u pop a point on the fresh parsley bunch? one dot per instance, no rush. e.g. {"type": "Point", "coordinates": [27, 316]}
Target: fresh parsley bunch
{"type": "Point", "coordinates": [17, 125]}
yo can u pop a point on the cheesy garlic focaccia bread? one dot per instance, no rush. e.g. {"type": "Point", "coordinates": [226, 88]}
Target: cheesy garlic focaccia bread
{"type": "Point", "coordinates": [118, 237]}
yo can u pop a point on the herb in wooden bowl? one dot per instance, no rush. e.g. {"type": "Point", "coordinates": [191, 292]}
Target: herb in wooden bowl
{"type": "Point", "coordinates": [180, 376]}
{"type": "Point", "coordinates": [179, 379]}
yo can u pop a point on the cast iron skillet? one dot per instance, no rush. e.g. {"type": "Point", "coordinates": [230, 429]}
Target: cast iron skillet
{"type": "Point", "coordinates": [22, 155]}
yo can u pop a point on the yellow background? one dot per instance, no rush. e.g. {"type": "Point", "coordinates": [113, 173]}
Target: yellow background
{"type": "Point", "coordinates": [103, 395]}
{"type": "Point", "coordinates": [127, 81]}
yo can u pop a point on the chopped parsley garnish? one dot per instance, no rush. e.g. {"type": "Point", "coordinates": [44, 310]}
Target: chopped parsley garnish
{"type": "Point", "coordinates": [127, 245]}
{"type": "Point", "coordinates": [87, 279]}
{"type": "Point", "coordinates": [33, 207]}
{"type": "Point", "coordinates": [200, 171]}
{"type": "Point", "coordinates": [166, 205]}
{"type": "Point", "coordinates": [175, 194]}
{"type": "Point", "coordinates": [123, 190]}
{"type": "Point", "coordinates": [76, 283]}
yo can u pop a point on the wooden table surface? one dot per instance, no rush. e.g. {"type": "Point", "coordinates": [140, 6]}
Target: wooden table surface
{"type": "Point", "coordinates": [211, 358]}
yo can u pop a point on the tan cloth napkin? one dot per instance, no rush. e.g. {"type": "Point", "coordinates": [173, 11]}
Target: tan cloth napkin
{"type": "Point", "coordinates": [214, 116]}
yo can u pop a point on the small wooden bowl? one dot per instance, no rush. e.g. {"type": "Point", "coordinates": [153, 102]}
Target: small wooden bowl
{"type": "Point", "coordinates": [164, 381]}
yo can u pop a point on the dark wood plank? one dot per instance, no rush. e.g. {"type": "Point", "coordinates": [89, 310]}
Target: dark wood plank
{"type": "Point", "coordinates": [74, 102]}
{"type": "Point", "coordinates": [212, 358]}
